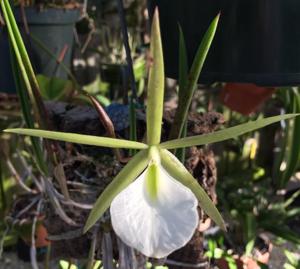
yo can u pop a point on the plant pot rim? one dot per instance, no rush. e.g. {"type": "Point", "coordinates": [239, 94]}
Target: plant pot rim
{"type": "Point", "coordinates": [48, 16]}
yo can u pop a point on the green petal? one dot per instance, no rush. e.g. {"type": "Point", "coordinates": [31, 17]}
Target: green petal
{"type": "Point", "coordinates": [128, 174]}
{"type": "Point", "coordinates": [225, 134]}
{"type": "Point", "coordinates": [177, 170]}
{"type": "Point", "coordinates": [155, 86]}
{"type": "Point", "coordinates": [80, 139]}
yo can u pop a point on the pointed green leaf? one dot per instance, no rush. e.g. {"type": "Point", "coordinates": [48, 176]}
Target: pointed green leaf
{"type": "Point", "coordinates": [52, 56]}
{"type": "Point", "coordinates": [128, 174]}
{"type": "Point", "coordinates": [156, 85]}
{"type": "Point", "coordinates": [21, 46]}
{"type": "Point", "coordinates": [183, 78]}
{"type": "Point", "coordinates": [132, 124]}
{"type": "Point", "coordinates": [54, 88]}
{"type": "Point", "coordinates": [283, 231]}
{"type": "Point", "coordinates": [6, 12]}
{"type": "Point", "coordinates": [292, 257]}
{"type": "Point", "coordinates": [26, 111]}
{"type": "Point", "coordinates": [187, 94]}
{"type": "Point", "coordinates": [26, 68]}
{"type": "Point", "coordinates": [225, 134]}
{"type": "Point", "coordinates": [293, 146]}
{"type": "Point", "coordinates": [177, 170]}
{"type": "Point", "coordinates": [183, 64]}
{"type": "Point", "coordinates": [80, 139]}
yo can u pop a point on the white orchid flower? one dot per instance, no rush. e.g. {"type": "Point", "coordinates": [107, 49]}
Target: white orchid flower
{"type": "Point", "coordinates": [154, 198]}
{"type": "Point", "coordinates": [155, 214]}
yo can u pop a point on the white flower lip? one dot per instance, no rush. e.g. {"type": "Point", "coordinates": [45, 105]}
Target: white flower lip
{"type": "Point", "coordinates": [157, 227]}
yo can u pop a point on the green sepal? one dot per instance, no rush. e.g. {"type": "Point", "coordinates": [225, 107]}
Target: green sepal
{"type": "Point", "coordinates": [80, 139]}
{"type": "Point", "coordinates": [225, 134]}
{"type": "Point", "coordinates": [155, 92]}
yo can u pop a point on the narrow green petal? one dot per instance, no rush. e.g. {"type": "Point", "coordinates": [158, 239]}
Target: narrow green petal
{"type": "Point", "coordinates": [156, 85]}
{"type": "Point", "coordinates": [128, 174]}
{"type": "Point", "coordinates": [177, 170]}
{"type": "Point", "coordinates": [80, 139]}
{"type": "Point", "coordinates": [225, 134]}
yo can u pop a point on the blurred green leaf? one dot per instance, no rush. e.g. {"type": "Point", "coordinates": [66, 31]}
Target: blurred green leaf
{"type": "Point", "coordinates": [26, 109]}
{"type": "Point", "coordinates": [139, 68]}
{"type": "Point", "coordinates": [24, 63]}
{"type": "Point", "coordinates": [53, 88]}
{"type": "Point", "coordinates": [249, 247]}
{"type": "Point", "coordinates": [293, 141]}
{"type": "Point", "coordinates": [283, 232]}
{"type": "Point", "coordinates": [67, 265]}
{"type": "Point", "coordinates": [288, 266]}
{"type": "Point", "coordinates": [218, 253]}
{"type": "Point", "coordinates": [132, 124]}
{"type": "Point", "coordinates": [291, 257]}
{"type": "Point", "coordinates": [61, 64]}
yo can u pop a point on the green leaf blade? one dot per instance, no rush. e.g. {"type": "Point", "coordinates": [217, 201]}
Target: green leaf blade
{"type": "Point", "coordinates": [21, 45]}
{"type": "Point", "coordinates": [128, 174]}
{"type": "Point", "coordinates": [187, 93]}
{"type": "Point", "coordinates": [177, 170]}
{"type": "Point", "coordinates": [155, 86]}
{"type": "Point", "coordinates": [293, 146]}
{"type": "Point", "coordinates": [183, 64]}
{"type": "Point", "coordinates": [26, 111]}
{"type": "Point", "coordinates": [80, 139]}
{"type": "Point", "coordinates": [225, 134]}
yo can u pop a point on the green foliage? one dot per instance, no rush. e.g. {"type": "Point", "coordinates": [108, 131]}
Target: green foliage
{"type": "Point", "coordinates": [188, 82]}
{"type": "Point", "coordinates": [290, 154]}
{"type": "Point", "coordinates": [247, 195]}
{"type": "Point", "coordinates": [293, 260]}
{"type": "Point", "coordinates": [182, 81]}
{"type": "Point", "coordinates": [216, 251]}
{"type": "Point", "coordinates": [54, 88]}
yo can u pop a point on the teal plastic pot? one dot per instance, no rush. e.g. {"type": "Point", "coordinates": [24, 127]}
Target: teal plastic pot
{"type": "Point", "coordinates": [54, 29]}
{"type": "Point", "coordinates": [257, 41]}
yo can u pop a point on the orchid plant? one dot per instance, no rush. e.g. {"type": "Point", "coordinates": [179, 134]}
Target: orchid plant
{"type": "Point", "coordinates": [153, 200]}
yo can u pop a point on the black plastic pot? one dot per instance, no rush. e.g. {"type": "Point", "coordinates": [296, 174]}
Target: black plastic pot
{"type": "Point", "coordinates": [54, 29]}
{"type": "Point", "coordinates": [257, 41]}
